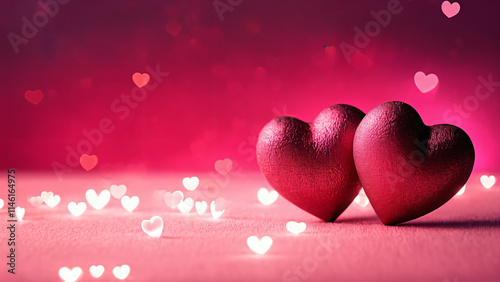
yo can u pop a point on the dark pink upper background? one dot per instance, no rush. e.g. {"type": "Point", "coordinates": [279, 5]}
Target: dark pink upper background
{"type": "Point", "coordinates": [228, 78]}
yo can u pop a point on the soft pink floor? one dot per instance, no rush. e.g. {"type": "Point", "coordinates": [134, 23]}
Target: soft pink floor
{"type": "Point", "coordinates": [458, 242]}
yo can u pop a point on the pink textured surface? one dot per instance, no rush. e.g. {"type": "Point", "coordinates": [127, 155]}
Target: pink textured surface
{"type": "Point", "coordinates": [458, 242]}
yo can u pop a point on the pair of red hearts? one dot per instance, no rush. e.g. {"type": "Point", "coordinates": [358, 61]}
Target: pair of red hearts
{"type": "Point", "coordinates": [406, 168]}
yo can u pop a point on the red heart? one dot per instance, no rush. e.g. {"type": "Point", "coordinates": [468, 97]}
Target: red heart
{"type": "Point", "coordinates": [33, 97]}
{"type": "Point", "coordinates": [140, 79]}
{"type": "Point", "coordinates": [408, 169]}
{"type": "Point", "coordinates": [88, 162]}
{"type": "Point", "coordinates": [311, 164]}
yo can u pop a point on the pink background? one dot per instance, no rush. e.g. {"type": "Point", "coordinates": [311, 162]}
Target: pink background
{"type": "Point", "coordinates": [228, 78]}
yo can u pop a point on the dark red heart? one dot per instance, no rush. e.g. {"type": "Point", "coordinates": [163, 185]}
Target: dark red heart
{"type": "Point", "coordinates": [33, 97]}
{"type": "Point", "coordinates": [406, 168]}
{"type": "Point", "coordinates": [311, 164]}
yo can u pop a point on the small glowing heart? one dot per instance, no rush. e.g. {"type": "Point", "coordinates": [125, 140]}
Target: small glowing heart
{"type": "Point", "coordinates": [488, 181]}
{"type": "Point", "coordinates": [70, 275]}
{"type": "Point", "coordinates": [88, 162]}
{"type": "Point", "coordinates": [77, 209]}
{"type": "Point", "coordinates": [53, 201]}
{"type": "Point", "coordinates": [267, 197]}
{"type": "Point", "coordinates": [98, 202]}
{"type": "Point", "coordinates": [425, 83]}
{"type": "Point", "coordinates": [223, 166]}
{"type": "Point", "coordinates": [295, 227]}
{"type": "Point", "coordinates": [1, 203]}
{"type": "Point", "coordinates": [361, 199]}
{"type": "Point", "coordinates": [96, 271]}
{"type": "Point", "coordinates": [461, 191]}
{"type": "Point", "coordinates": [50, 199]}
{"type": "Point", "coordinates": [118, 191]}
{"type": "Point", "coordinates": [20, 213]}
{"type": "Point", "coordinates": [33, 97]}
{"type": "Point", "coordinates": [173, 199]}
{"type": "Point", "coordinates": [140, 79]}
{"type": "Point", "coordinates": [259, 246]}
{"type": "Point", "coordinates": [121, 272]}
{"type": "Point", "coordinates": [186, 205]}
{"type": "Point", "coordinates": [190, 183]}
{"type": "Point", "coordinates": [46, 195]}
{"type": "Point", "coordinates": [450, 9]}
{"type": "Point", "coordinates": [130, 203]}
{"type": "Point", "coordinates": [36, 201]}
{"type": "Point", "coordinates": [217, 208]}
{"type": "Point", "coordinates": [201, 207]}
{"type": "Point", "coordinates": [153, 227]}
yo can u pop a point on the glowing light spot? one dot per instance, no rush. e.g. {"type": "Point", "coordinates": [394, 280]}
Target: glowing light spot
{"type": "Point", "coordinates": [118, 191]}
{"type": "Point", "coordinates": [201, 207]}
{"type": "Point", "coordinates": [36, 201]}
{"type": "Point", "coordinates": [190, 183]}
{"type": "Point", "coordinates": [259, 246]}
{"type": "Point", "coordinates": [295, 227]}
{"type": "Point", "coordinates": [186, 205]}
{"type": "Point", "coordinates": [88, 162]}
{"type": "Point", "coordinates": [361, 199]}
{"type": "Point", "coordinates": [140, 79]}
{"type": "Point", "coordinates": [425, 83]}
{"type": "Point", "coordinates": [461, 191]}
{"type": "Point", "coordinates": [173, 199]}
{"type": "Point", "coordinates": [20, 213]}
{"type": "Point", "coordinates": [153, 227]}
{"type": "Point", "coordinates": [77, 210]}
{"type": "Point", "coordinates": [488, 181]}
{"type": "Point", "coordinates": [130, 204]}
{"type": "Point", "coordinates": [34, 97]}
{"type": "Point", "coordinates": [223, 166]}
{"type": "Point", "coordinates": [450, 10]}
{"type": "Point", "coordinates": [121, 272]}
{"type": "Point", "coordinates": [217, 208]}
{"type": "Point", "coordinates": [70, 275]}
{"type": "Point", "coordinates": [267, 197]}
{"type": "Point", "coordinates": [98, 202]}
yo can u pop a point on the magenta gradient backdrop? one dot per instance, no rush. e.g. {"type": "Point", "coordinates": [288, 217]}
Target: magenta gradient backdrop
{"type": "Point", "coordinates": [228, 78]}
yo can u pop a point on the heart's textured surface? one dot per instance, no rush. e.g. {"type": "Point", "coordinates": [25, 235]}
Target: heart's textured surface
{"type": "Point", "coordinates": [311, 164]}
{"type": "Point", "coordinates": [408, 169]}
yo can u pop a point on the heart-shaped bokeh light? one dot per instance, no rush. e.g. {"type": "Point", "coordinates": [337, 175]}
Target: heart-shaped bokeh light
{"type": "Point", "coordinates": [98, 202]}
{"type": "Point", "coordinates": [488, 181]}
{"type": "Point", "coordinates": [70, 275]}
{"type": "Point", "coordinates": [77, 209]}
{"type": "Point", "coordinates": [190, 183]}
{"type": "Point", "coordinates": [267, 197]}
{"type": "Point", "coordinates": [295, 227]}
{"type": "Point", "coordinates": [259, 246]}
{"type": "Point", "coordinates": [153, 227]}
{"type": "Point", "coordinates": [96, 271]}
{"type": "Point", "coordinates": [130, 203]}
{"type": "Point", "coordinates": [121, 272]}
{"type": "Point", "coordinates": [217, 208]}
